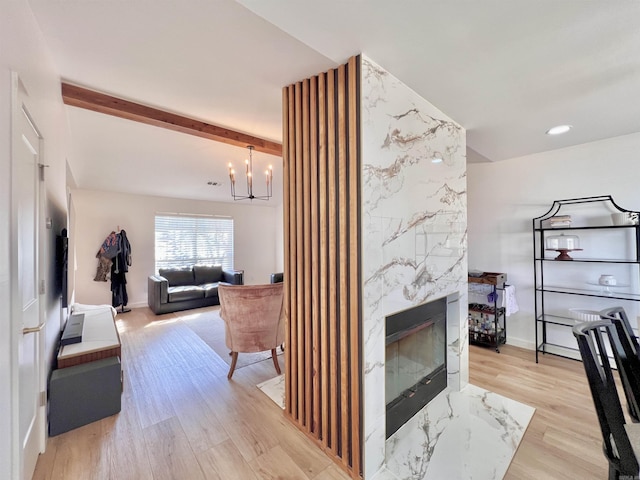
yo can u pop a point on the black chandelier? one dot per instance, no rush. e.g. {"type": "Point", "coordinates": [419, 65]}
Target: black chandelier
{"type": "Point", "coordinates": [249, 172]}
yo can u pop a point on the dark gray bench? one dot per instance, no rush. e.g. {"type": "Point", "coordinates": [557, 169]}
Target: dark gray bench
{"type": "Point", "coordinates": [84, 393]}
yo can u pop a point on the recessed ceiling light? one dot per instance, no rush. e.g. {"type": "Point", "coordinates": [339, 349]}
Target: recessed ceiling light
{"type": "Point", "coordinates": [436, 160]}
{"type": "Point", "coordinates": [558, 130]}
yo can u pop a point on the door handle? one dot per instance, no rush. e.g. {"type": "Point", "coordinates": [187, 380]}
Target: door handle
{"type": "Point", "coordinates": [33, 329]}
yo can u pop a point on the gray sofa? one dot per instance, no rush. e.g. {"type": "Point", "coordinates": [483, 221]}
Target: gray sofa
{"type": "Point", "coordinates": [181, 289]}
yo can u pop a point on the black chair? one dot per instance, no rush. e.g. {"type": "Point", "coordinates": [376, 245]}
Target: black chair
{"type": "Point", "coordinates": [619, 313]}
{"type": "Point", "coordinates": [627, 355]}
{"type": "Point", "coordinates": [616, 445]}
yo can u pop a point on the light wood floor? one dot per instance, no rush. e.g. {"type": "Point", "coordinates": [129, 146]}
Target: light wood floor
{"type": "Point", "coordinates": [563, 440]}
{"type": "Point", "coordinates": [182, 419]}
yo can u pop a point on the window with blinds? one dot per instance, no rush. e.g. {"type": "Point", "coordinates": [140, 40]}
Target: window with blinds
{"type": "Point", "coordinates": [182, 241]}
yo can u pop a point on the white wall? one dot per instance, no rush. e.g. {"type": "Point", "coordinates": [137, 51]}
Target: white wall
{"type": "Point", "coordinates": [5, 305]}
{"type": "Point", "coordinates": [24, 52]}
{"type": "Point", "coordinates": [505, 196]}
{"type": "Point", "coordinates": [97, 213]}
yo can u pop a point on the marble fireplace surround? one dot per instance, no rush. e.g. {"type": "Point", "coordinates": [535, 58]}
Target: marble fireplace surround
{"type": "Point", "coordinates": [413, 241]}
{"type": "Point", "coordinates": [413, 233]}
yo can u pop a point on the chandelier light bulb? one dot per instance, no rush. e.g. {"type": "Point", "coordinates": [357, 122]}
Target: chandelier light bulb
{"type": "Point", "coordinates": [232, 175]}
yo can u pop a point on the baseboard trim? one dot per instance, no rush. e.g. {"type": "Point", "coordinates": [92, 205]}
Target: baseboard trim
{"type": "Point", "coordinates": [518, 342]}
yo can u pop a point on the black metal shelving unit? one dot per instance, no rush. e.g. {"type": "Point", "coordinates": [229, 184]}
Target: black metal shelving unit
{"type": "Point", "coordinates": [547, 289]}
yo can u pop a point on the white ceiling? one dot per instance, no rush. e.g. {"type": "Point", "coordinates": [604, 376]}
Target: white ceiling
{"type": "Point", "coordinates": [506, 70]}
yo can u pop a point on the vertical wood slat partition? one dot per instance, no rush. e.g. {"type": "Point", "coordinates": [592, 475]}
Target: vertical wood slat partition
{"type": "Point", "coordinates": [321, 154]}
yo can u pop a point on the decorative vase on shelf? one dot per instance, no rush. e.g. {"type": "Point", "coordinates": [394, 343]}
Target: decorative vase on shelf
{"type": "Point", "coordinates": [625, 218]}
{"type": "Point", "coordinates": [563, 244]}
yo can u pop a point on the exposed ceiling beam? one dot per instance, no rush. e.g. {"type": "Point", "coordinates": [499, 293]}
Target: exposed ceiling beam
{"type": "Point", "coordinates": [100, 102]}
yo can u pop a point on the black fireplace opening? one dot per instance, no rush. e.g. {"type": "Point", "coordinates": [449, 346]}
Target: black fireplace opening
{"type": "Point", "coordinates": [415, 360]}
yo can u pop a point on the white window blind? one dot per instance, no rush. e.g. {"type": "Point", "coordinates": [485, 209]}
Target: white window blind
{"type": "Point", "coordinates": [182, 241]}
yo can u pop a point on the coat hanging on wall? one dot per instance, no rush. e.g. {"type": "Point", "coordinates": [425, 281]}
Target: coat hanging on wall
{"type": "Point", "coordinates": [107, 252]}
{"type": "Point", "coordinates": [114, 260]}
{"type": "Point", "coordinates": [119, 267]}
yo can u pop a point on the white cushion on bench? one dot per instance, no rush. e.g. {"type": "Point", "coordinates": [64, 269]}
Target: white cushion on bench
{"type": "Point", "coordinates": [99, 333]}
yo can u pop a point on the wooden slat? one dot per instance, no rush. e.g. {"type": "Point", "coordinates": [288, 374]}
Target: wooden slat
{"type": "Point", "coordinates": [315, 252]}
{"type": "Point", "coordinates": [343, 208]}
{"type": "Point", "coordinates": [324, 218]}
{"type": "Point", "coordinates": [285, 225]}
{"type": "Point", "coordinates": [99, 102]}
{"type": "Point", "coordinates": [354, 263]}
{"type": "Point", "coordinates": [324, 253]}
{"type": "Point", "coordinates": [292, 347]}
{"type": "Point", "coordinates": [300, 257]}
{"type": "Point", "coordinates": [332, 318]}
{"type": "Point", "coordinates": [306, 204]}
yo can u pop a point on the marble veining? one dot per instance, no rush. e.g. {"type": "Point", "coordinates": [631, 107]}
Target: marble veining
{"type": "Point", "coordinates": [468, 434]}
{"type": "Point", "coordinates": [418, 127]}
{"type": "Point", "coordinates": [413, 232]}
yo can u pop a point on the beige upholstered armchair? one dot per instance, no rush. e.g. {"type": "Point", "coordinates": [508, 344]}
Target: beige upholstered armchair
{"type": "Point", "coordinates": [254, 319]}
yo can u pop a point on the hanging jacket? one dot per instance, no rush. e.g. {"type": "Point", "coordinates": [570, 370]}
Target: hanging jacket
{"type": "Point", "coordinates": [107, 252]}
{"type": "Point", "coordinates": [121, 264]}
{"type": "Point", "coordinates": [123, 257]}
{"type": "Point", "coordinates": [109, 247]}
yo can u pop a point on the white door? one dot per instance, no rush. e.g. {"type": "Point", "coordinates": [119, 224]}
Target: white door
{"type": "Point", "coordinates": [26, 316]}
